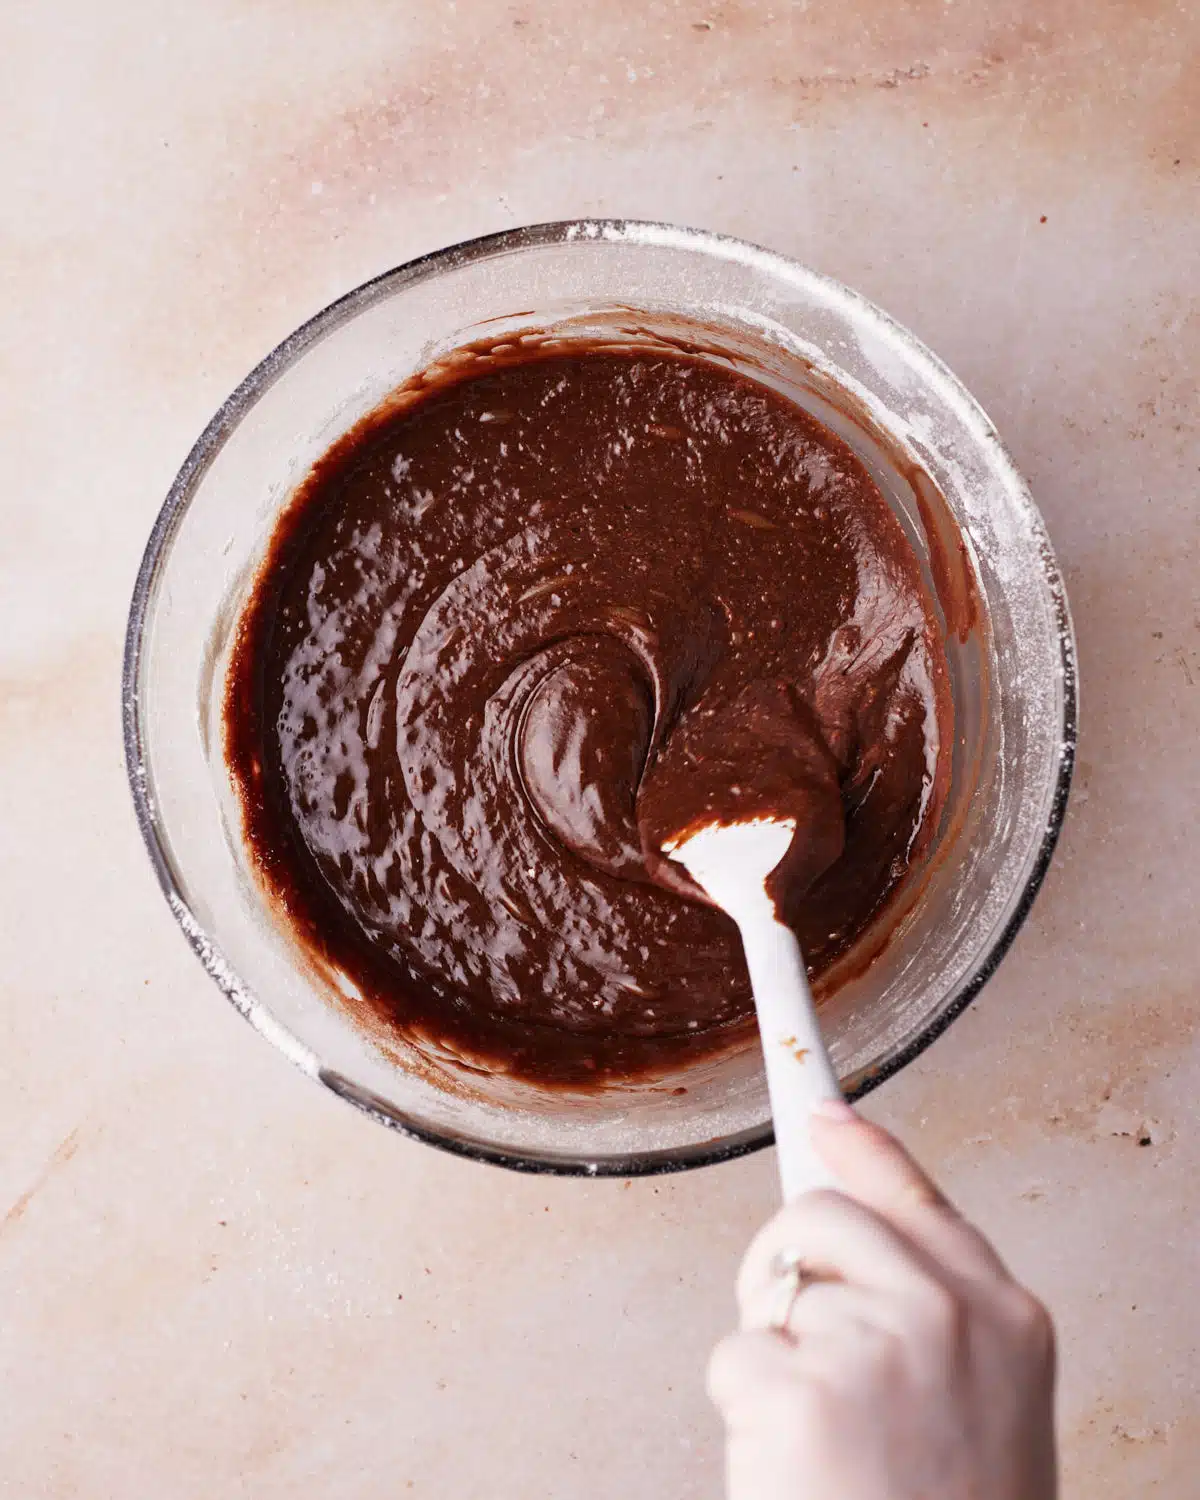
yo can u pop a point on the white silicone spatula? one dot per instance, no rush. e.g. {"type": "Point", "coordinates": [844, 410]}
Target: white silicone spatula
{"type": "Point", "coordinates": [732, 863]}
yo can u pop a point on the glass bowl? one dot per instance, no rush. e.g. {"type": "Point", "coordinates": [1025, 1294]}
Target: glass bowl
{"type": "Point", "coordinates": [944, 470]}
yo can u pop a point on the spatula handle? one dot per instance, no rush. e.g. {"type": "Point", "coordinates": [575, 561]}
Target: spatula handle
{"type": "Point", "coordinates": [799, 1072]}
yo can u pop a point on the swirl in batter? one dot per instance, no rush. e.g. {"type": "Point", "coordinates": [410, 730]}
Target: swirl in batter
{"type": "Point", "coordinates": [523, 624]}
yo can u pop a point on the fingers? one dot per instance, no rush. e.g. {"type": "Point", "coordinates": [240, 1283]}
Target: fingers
{"type": "Point", "coordinates": [821, 1311]}
{"type": "Point", "coordinates": [876, 1170]}
{"type": "Point", "coordinates": [756, 1377]}
{"type": "Point", "coordinates": [743, 1365]}
{"type": "Point", "coordinates": [890, 1234]}
{"type": "Point", "coordinates": [838, 1240]}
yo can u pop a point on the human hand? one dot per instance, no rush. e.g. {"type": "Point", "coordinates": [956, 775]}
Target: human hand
{"type": "Point", "coordinates": [909, 1364]}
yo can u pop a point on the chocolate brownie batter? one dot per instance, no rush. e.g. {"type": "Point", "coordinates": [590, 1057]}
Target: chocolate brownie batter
{"type": "Point", "coordinates": [526, 622]}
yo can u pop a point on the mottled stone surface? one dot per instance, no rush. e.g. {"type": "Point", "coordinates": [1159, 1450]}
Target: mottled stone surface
{"type": "Point", "coordinates": [216, 1280]}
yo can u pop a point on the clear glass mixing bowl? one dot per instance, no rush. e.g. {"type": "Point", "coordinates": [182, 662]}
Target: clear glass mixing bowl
{"type": "Point", "coordinates": [944, 470]}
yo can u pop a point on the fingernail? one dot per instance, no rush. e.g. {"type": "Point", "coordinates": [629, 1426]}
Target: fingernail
{"type": "Point", "coordinates": [836, 1110]}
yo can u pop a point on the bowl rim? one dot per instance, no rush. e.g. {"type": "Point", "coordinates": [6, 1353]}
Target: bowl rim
{"type": "Point", "coordinates": [205, 450]}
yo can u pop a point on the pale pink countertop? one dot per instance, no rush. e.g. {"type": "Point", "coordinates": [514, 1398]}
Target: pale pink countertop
{"type": "Point", "coordinates": [216, 1280]}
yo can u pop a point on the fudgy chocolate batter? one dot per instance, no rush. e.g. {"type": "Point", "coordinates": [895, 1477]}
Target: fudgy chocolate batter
{"type": "Point", "coordinates": [521, 627]}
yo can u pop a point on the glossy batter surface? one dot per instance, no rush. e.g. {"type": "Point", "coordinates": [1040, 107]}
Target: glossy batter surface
{"type": "Point", "coordinates": [510, 637]}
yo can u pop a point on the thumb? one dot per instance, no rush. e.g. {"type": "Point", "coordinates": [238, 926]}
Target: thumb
{"type": "Point", "coordinates": [875, 1168]}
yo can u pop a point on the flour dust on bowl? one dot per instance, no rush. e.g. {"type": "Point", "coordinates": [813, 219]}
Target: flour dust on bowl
{"type": "Point", "coordinates": [952, 496]}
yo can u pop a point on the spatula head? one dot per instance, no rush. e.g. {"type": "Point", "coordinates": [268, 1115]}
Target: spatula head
{"type": "Point", "coordinates": [731, 862]}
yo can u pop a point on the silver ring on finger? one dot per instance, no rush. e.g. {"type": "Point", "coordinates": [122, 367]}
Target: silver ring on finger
{"type": "Point", "coordinates": [791, 1275]}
